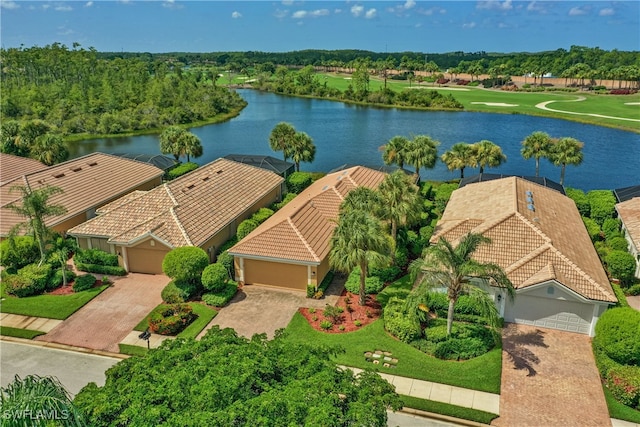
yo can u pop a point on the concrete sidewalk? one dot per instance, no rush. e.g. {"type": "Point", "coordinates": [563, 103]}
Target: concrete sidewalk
{"type": "Point", "coordinates": [31, 323]}
{"type": "Point", "coordinates": [134, 339]}
{"type": "Point", "coordinates": [480, 400]}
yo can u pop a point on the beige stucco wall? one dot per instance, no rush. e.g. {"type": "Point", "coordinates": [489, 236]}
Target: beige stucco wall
{"type": "Point", "coordinates": [280, 274]}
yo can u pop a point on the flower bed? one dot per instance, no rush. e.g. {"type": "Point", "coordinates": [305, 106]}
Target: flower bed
{"type": "Point", "coordinates": [353, 317]}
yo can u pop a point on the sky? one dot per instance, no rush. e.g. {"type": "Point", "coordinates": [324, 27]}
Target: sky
{"type": "Point", "coordinates": [280, 26]}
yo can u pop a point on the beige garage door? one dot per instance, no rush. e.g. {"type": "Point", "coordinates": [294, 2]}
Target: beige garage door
{"type": "Point", "coordinates": [292, 276]}
{"type": "Point", "coordinates": [550, 313]}
{"type": "Point", "coordinates": [145, 260]}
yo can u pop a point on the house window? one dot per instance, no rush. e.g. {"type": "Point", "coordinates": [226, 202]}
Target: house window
{"type": "Point", "coordinates": [551, 290]}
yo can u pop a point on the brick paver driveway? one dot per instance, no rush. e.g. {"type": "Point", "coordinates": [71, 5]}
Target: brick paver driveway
{"type": "Point", "coordinates": [109, 317]}
{"type": "Point", "coordinates": [549, 378]}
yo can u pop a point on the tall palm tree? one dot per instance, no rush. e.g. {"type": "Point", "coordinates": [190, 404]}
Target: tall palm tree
{"type": "Point", "coordinates": [357, 241]}
{"type": "Point", "coordinates": [395, 151]}
{"type": "Point", "coordinates": [400, 201]}
{"type": "Point", "coordinates": [423, 152]}
{"type": "Point", "coordinates": [170, 141]}
{"type": "Point", "coordinates": [566, 151]}
{"type": "Point", "coordinates": [38, 395]}
{"type": "Point", "coordinates": [362, 198]}
{"type": "Point", "coordinates": [536, 145]}
{"type": "Point", "coordinates": [34, 206]}
{"type": "Point", "coordinates": [454, 268]}
{"type": "Point", "coordinates": [282, 137]}
{"type": "Point", "coordinates": [49, 149]}
{"type": "Point", "coordinates": [458, 157]}
{"type": "Point", "coordinates": [190, 145]}
{"type": "Point", "coordinates": [301, 150]}
{"type": "Point", "coordinates": [487, 154]}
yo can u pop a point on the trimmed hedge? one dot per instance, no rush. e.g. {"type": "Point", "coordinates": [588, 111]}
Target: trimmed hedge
{"type": "Point", "coordinates": [400, 324]}
{"type": "Point", "coordinates": [171, 319]}
{"type": "Point", "coordinates": [96, 256]}
{"type": "Point", "coordinates": [30, 280]}
{"type": "Point", "coordinates": [624, 384]}
{"type": "Point", "coordinates": [617, 334]}
{"type": "Point", "coordinates": [20, 286]}
{"type": "Point", "coordinates": [181, 169]}
{"type": "Point", "coordinates": [18, 252]}
{"type": "Point", "coordinates": [246, 227]}
{"type": "Point", "coordinates": [84, 282]}
{"type": "Point", "coordinates": [298, 181]}
{"type": "Point", "coordinates": [185, 264]}
{"type": "Point", "coordinates": [221, 298]}
{"type": "Point", "coordinates": [372, 285]}
{"type": "Point", "coordinates": [215, 277]}
{"type": "Point", "coordinates": [262, 215]}
{"type": "Point", "coordinates": [287, 198]}
{"type": "Point", "coordinates": [602, 205]}
{"type": "Point", "coordinates": [622, 266]}
{"type": "Point", "coordinates": [171, 294]}
{"type": "Point", "coordinates": [580, 199]}
{"type": "Point", "coordinates": [57, 280]}
{"type": "Point", "coordinates": [593, 229]}
{"type": "Point", "coordinates": [101, 269]}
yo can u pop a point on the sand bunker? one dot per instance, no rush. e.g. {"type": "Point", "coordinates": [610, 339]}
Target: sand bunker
{"type": "Point", "coordinates": [496, 104]}
{"type": "Point", "coordinates": [632, 103]}
{"type": "Point", "coordinates": [440, 88]}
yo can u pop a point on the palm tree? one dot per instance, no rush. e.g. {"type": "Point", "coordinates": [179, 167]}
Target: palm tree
{"type": "Point", "coordinates": [49, 149]}
{"type": "Point", "coordinates": [536, 145]}
{"type": "Point", "coordinates": [357, 241]}
{"type": "Point", "coordinates": [282, 137]}
{"type": "Point", "coordinates": [400, 201]}
{"type": "Point", "coordinates": [487, 154]}
{"type": "Point", "coordinates": [566, 151]}
{"type": "Point", "coordinates": [35, 208]}
{"type": "Point", "coordinates": [191, 145]}
{"type": "Point", "coordinates": [60, 255]}
{"type": "Point", "coordinates": [170, 141]}
{"type": "Point", "coordinates": [301, 150]}
{"type": "Point", "coordinates": [361, 198]}
{"type": "Point", "coordinates": [423, 152]}
{"type": "Point", "coordinates": [458, 157]}
{"type": "Point", "coordinates": [395, 151]}
{"type": "Point", "coordinates": [454, 268]}
{"type": "Point", "coordinates": [39, 395]}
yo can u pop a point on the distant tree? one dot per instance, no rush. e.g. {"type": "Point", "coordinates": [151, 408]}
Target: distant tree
{"type": "Point", "coordinates": [566, 151]}
{"type": "Point", "coordinates": [536, 145]}
{"type": "Point", "coordinates": [49, 149]}
{"type": "Point", "coordinates": [458, 157]}
{"type": "Point", "coordinates": [302, 149]}
{"type": "Point", "coordinates": [487, 154]}
{"type": "Point", "coordinates": [395, 151]}
{"type": "Point", "coordinates": [191, 145]}
{"type": "Point", "coordinates": [170, 141]}
{"type": "Point", "coordinates": [400, 202]}
{"type": "Point", "coordinates": [282, 138]}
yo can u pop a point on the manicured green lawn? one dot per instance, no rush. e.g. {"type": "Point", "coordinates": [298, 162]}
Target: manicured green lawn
{"type": "Point", "coordinates": [205, 315]}
{"type": "Point", "coordinates": [132, 350]}
{"type": "Point", "coordinates": [447, 409]}
{"type": "Point", "coordinates": [49, 306]}
{"type": "Point", "coordinates": [19, 333]}
{"type": "Point", "coordinates": [620, 411]}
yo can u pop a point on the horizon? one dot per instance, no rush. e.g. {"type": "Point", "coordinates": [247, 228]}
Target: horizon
{"type": "Point", "coordinates": [502, 27]}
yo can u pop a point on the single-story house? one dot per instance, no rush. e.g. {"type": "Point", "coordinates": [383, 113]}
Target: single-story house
{"type": "Point", "coordinates": [87, 182]}
{"type": "Point", "coordinates": [629, 214]}
{"type": "Point", "coordinates": [281, 167]}
{"type": "Point", "coordinates": [539, 239]}
{"type": "Point", "coordinates": [291, 248]}
{"type": "Point", "coordinates": [12, 167]}
{"type": "Point", "coordinates": [202, 208]}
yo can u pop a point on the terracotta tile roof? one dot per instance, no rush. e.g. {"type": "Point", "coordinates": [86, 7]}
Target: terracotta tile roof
{"type": "Point", "coordinates": [301, 230]}
{"type": "Point", "coordinates": [12, 167]}
{"type": "Point", "coordinates": [187, 211]}
{"type": "Point", "coordinates": [87, 182]}
{"type": "Point", "coordinates": [629, 213]}
{"type": "Point", "coordinates": [536, 234]}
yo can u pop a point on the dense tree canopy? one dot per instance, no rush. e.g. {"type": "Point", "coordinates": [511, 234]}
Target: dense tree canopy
{"type": "Point", "coordinates": [226, 380]}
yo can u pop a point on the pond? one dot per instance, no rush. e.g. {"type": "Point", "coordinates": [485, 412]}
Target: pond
{"type": "Point", "coordinates": [348, 134]}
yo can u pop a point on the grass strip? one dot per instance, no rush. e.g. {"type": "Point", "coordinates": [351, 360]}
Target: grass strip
{"type": "Point", "coordinates": [50, 306]}
{"type": "Point", "coordinates": [448, 409]}
{"type": "Point", "coordinates": [619, 411]}
{"type": "Point", "coordinates": [132, 350]}
{"type": "Point", "coordinates": [29, 334]}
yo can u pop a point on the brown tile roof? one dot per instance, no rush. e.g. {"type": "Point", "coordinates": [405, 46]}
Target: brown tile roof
{"type": "Point", "coordinates": [301, 230]}
{"type": "Point", "coordinates": [12, 167]}
{"type": "Point", "coordinates": [186, 211]}
{"type": "Point", "coordinates": [87, 182]}
{"type": "Point", "coordinates": [629, 213]}
{"type": "Point", "coordinates": [536, 234]}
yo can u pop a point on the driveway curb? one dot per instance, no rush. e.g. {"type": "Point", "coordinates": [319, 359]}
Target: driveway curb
{"type": "Point", "coordinates": [441, 417]}
{"type": "Point", "coordinates": [64, 347]}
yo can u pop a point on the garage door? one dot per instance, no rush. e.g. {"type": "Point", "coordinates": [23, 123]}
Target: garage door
{"type": "Point", "coordinates": [550, 313]}
{"type": "Point", "coordinates": [145, 260]}
{"type": "Point", "coordinates": [292, 276]}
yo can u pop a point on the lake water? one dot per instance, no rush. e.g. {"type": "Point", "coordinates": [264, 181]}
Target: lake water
{"type": "Point", "coordinates": [347, 134]}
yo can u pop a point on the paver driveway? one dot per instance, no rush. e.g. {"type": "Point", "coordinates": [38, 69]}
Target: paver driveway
{"type": "Point", "coordinates": [549, 378]}
{"type": "Point", "coordinates": [109, 317]}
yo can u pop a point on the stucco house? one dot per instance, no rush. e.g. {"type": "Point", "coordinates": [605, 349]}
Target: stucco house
{"type": "Point", "coordinates": [629, 214]}
{"type": "Point", "coordinates": [87, 182]}
{"type": "Point", "coordinates": [202, 208]}
{"type": "Point", "coordinates": [539, 239]}
{"type": "Point", "coordinates": [291, 248]}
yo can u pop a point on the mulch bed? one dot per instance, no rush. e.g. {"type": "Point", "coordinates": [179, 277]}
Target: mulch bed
{"type": "Point", "coordinates": [364, 314]}
{"type": "Point", "coordinates": [68, 290]}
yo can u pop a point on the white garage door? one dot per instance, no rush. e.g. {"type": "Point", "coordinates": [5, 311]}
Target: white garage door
{"type": "Point", "coordinates": [550, 313]}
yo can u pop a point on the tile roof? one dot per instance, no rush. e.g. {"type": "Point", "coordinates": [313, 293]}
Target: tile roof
{"type": "Point", "coordinates": [265, 162]}
{"type": "Point", "coordinates": [629, 213]}
{"type": "Point", "coordinates": [186, 211]}
{"type": "Point", "coordinates": [301, 230]}
{"type": "Point", "coordinates": [87, 182]}
{"type": "Point", "coordinates": [12, 167]}
{"type": "Point", "coordinates": [536, 234]}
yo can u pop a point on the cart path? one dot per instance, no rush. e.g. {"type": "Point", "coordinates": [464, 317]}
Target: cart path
{"type": "Point", "coordinates": [543, 106]}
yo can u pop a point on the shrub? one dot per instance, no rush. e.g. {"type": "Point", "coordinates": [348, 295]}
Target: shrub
{"type": "Point", "coordinates": [17, 252]}
{"type": "Point", "coordinates": [372, 285]}
{"type": "Point", "coordinates": [401, 257]}
{"type": "Point", "coordinates": [101, 269]}
{"type": "Point", "coordinates": [187, 289]}
{"type": "Point", "coordinates": [226, 259]}
{"type": "Point", "coordinates": [298, 181]}
{"type": "Point", "coordinates": [32, 280]}
{"type": "Point", "coordinates": [287, 198]}
{"type": "Point", "coordinates": [171, 294]}
{"type": "Point", "coordinates": [57, 280]}
{"type": "Point", "coordinates": [621, 265]}
{"type": "Point", "coordinates": [222, 297]}
{"type": "Point", "coordinates": [246, 227]}
{"type": "Point", "coordinates": [633, 290]}
{"type": "Point", "coordinates": [618, 243]}
{"type": "Point", "coordinates": [214, 277]}
{"type": "Point", "coordinates": [403, 327]}
{"type": "Point", "coordinates": [593, 229]}
{"type": "Point", "coordinates": [622, 299]}
{"type": "Point", "coordinates": [95, 256]}
{"type": "Point", "coordinates": [185, 264]}
{"type": "Point", "coordinates": [326, 281]}
{"type": "Point", "coordinates": [602, 205]}
{"type": "Point", "coordinates": [227, 245]}
{"type": "Point", "coordinates": [170, 319]}
{"type": "Point", "coordinates": [357, 323]}
{"type": "Point", "coordinates": [617, 335]}
{"type": "Point", "coordinates": [333, 312]}
{"type": "Point", "coordinates": [443, 194]}
{"type": "Point", "coordinates": [611, 228]}
{"type": "Point", "coordinates": [262, 215]}
{"type": "Point", "coordinates": [624, 384]}
{"type": "Point", "coordinates": [425, 233]}
{"type": "Point", "coordinates": [84, 282]}
{"type": "Point", "coordinates": [20, 286]}
{"type": "Point", "coordinates": [460, 349]}
{"type": "Point", "coordinates": [326, 325]}
{"type": "Point", "coordinates": [387, 274]}
{"type": "Point", "coordinates": [311, 289]}
{"type": "Point", "coordinates": [580, 199]}
{"type": "Point", "coordinates": [181, 169]}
